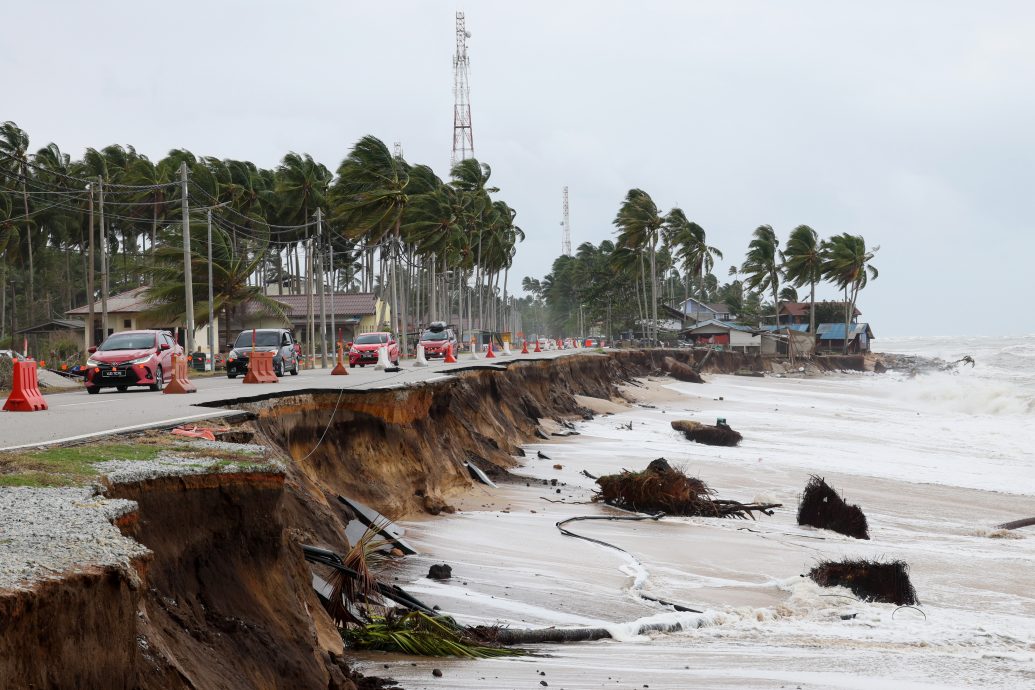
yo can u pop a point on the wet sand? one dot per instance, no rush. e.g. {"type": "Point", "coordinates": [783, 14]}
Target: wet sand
{"type": "Point", "coordinates": [765, 626]}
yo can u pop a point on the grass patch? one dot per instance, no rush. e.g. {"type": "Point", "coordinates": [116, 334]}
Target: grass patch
{"type": "Point", "coordinates": [66, 465]}
{"type": "Point", "coordinates": [75, 465]}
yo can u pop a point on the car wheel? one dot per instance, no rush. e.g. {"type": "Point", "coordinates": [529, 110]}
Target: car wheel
{"type": "Point", "coordinates": [361, 366]}
{"type": "Point", "coordinates": [278, 370]}
{"type": "Point", "coordinates": [159, 383]}
{"type": "Point", "coordinates": [121, 389]}
{"type": "Point", "coordinates": [352, 366]}
{"type": "Point", "coordinates": [231, 375]}
{"type": "Point", "coordinates": [395, 363]}
{"type": "Point", "coordinates": [93, 390]}
{"type": "Point", "coordinates": [294, 369]}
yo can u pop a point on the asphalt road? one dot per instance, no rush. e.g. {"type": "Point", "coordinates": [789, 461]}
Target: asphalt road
{"type": "Point", "coordinates": [78, 415]}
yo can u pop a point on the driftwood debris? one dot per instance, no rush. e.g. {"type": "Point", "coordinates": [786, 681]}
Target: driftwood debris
{"type": "Point", "coordinates": [680, 371]}
{"type": "Point", "coordinates": [868, 580]}
{"type": "Point", "coordinates": [661, 488]}
{"type": "Point", "coordinates": [718, 435]}
{"type": "Point", "coordinates": [822, 507]}
{"type": "Point", "coordinates": [1026, 522]}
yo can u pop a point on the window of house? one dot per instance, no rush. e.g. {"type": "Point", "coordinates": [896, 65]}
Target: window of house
{"type": "Point", "coordinates": [127, 323]}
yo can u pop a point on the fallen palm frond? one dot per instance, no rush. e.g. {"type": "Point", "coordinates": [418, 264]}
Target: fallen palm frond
{"type": "Point", "coordinates": [680, 371]}
{"type": "Point", "coordinates": [822, 507]}
{"type": "Point", "coordinates": [421, 635]}
{"type": "Point", "coordinates": [868, 580]}
{"type": "Point", "coordinates": [661, 488]}
{"type": "Point", "coordinates": [357, 592]}
{"type": "Point", "coordinates": [718, 435]}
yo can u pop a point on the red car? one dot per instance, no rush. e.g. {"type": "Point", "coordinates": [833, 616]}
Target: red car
{"type": "Point", "coordinates": [364, 348]}
{"type": "Point", "coordinates": [437, 339]}
{"type": "Point", "coordinates": [131, 358]}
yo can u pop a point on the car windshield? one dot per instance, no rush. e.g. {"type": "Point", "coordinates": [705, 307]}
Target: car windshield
{"type": "Point", "coordinates": [262, 339]}
{"type": "Point", "coordinates": [128, 341]}
{"type": "Point", "coordinates": [371, 339]}
{"type": "Point", "coordinates": [435, 335]}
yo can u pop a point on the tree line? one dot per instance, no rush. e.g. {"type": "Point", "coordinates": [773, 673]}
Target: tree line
{"type": "Point", "coordinates": [663, 258]}
{"type": "Point", "coordinates": [430, 248]}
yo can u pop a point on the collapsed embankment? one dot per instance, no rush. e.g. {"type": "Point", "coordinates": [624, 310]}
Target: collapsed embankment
{"type": "Point", "coordinates": [224, 600]}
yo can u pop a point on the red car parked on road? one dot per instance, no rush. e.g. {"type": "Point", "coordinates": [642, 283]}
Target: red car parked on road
{"type": "Point", "coordinates": [131, 358]}
{"type": "Point", "coordinates": [365, 346]}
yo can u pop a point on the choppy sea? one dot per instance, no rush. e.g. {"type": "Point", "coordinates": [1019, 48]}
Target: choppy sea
{"type": "Point", "coordinates": [936, 460]}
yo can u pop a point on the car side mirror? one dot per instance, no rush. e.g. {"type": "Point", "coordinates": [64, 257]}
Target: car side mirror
{"type": "Point", "coordinates": [163, 346]}
{"type": "Point", "coordinates": [348, 345]}
{"type": "Point", "coordinates": [92, 349]}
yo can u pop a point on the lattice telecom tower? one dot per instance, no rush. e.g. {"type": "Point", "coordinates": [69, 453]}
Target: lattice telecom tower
{"type": "Point", "coordinates": [566, 227]}
{"type": "Point", "coordinates": [463, 137]}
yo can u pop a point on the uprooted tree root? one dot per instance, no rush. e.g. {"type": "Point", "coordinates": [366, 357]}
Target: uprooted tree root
{"type": "Point", "coordinates": [822, 507]}
{"type": "Point", "coordinates": [868, 580]}
{"type": "Point", "coordinates": [661, 488]}
{"type": "Point", "coordinates": [680, 371]}
{"type": "Point", "coordinates": [719, 435]}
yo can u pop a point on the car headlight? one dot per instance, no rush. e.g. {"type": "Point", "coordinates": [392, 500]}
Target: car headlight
{"type": "Point", "coordinates": [93, 363]}
{"type": "Point", "coordinates": [139, 360]}
{"type": "Point", "coordinates": [232, 356]}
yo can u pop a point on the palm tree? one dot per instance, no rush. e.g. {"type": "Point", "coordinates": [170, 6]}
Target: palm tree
{"type": "Point", "coordinates": [761, 267]}
{"type": "Point", "coordinates": [803, 264]}
{"type": "Point", "coordinates": [847, 265]}
{"type": "Point", "coordinates": [14, 143]}
{"type": "Point", "coordinates": [369, 199]}
{"type": "Point", "coordinates": [691, 245]}
{"type": "Point", "coordinates": [639, 223]}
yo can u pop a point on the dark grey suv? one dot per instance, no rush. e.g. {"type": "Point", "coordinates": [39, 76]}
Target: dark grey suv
{"type": "Point", "coordinates": [276, 340]}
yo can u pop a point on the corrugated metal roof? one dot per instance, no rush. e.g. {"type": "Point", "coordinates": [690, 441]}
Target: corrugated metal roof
{"type": "Point", "coordinates": [800, 327]}
{"type": "Point", "coordinates": [722, 324]}
{"type": "Point", "coordinates": [836, 331]}
{"type": "Point", "coordinates": [129, 302]}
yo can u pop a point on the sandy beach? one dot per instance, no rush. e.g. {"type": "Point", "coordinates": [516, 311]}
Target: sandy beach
{"type": "Point", "coordinates": [763, 625]}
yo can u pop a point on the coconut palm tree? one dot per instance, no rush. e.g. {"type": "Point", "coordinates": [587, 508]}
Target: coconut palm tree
{"type": "Point", "coordinates": [639, 224]}
{"type": "Point", "coordinates": [803, 265]}
{"type": "Point", "coordinates": [761, 265]}
{"type": "Point", "coordinates": [14, 143]}
{"type": "Point", "coordinates": [847, 264]}
{"type": "Point", "coordinates": [690, 242]}
{"type": "Point", "coordinates": [369, 198]}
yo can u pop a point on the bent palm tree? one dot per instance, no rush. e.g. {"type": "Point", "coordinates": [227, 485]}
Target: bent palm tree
{"type": "Point", "coordinates": [803, 265]}
{"type": "Point", "coordinates": [639, 223]}
{"type": "Point", "coordinates": [761, 266]}
{"type": "Point", "coordinates": [847, 265]}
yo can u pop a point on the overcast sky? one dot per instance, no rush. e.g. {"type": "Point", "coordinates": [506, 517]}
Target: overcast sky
{"type": "Point", "coordinates": [908, 123]}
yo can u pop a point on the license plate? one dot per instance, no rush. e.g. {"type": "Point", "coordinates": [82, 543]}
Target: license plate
{"type": "Point", "coordinates": [114, 374]}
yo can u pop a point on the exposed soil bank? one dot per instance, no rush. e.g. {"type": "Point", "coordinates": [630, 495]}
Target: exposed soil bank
{"type": "Point", "coordinates": [225, 600]}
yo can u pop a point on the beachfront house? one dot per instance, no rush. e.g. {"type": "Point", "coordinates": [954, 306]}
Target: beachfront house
{"type": "Point", "coordinates": [798, 312]}
{"type": "Point", "coordinates": [695, 311]}
{"type": "Point", "coordinates": [831, 337]}
{"type": "Point", "coordinates": [725, 335]}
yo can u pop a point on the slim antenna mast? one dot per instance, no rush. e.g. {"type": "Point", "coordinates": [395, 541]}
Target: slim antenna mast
{"type": "Point", "coordinates": [566, 227]}
{"type": "Point", "coordinates": [463, 137]}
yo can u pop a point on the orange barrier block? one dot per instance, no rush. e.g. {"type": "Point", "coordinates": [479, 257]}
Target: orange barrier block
{"type": "Point", "coordinates": [194, 432]}
{"type": "Point", "coordinates": [25, 389]}
{"type": "Point", "coordinates": [450, 358]}
{"type": "Point", "coordinates": [180, 381]}
{"type": "Point", "coordinates": [340, 369]}
{"type": "Point", "coordinates": [260, 368]}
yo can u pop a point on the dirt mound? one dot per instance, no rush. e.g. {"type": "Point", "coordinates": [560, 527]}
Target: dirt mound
{"type": "Point", "coordinates": [822, 507]}
{"type": "Point", "coordinates": [718, 435]}
{"type": "Point", "coordinates": [868, 580]}
{"type": "Point", "coordinates": [680, 371]}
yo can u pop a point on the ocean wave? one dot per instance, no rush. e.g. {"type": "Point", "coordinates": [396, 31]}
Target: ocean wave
{"type": "Point", "coordinates": [972, 395]}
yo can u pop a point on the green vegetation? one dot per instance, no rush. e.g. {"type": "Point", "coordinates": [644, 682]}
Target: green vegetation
{"type": "Point", "coordinates": [664, 259]}
{"type": "Point", "coordinates": [421, 635]}
{"type": "Point", "coordinates": [435, 249]}
{"type": "Point", "coordinates": [66, 465]}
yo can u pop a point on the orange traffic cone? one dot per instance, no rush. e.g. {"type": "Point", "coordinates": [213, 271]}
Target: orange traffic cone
{"type": "Point", "coordinates": [537, 348]}
{"type": "Point", "coordinates": [449, 358]}
{"type": "Point", "coordinates": [524, 347]}
{"type": "Point", "coordinates": [339, 368]}
{"type": "Point", "coordinates": [489, 354]}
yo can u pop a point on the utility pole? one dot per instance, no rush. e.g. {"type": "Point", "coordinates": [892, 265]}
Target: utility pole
{"type": "Point", "coordinates": [188, 278]}
{"type": "Point", "coordinates": [89, 277]}
{"type": "Point", "coordinates": [310, 326]}
{"type": "Point", "coordinates": [565, 226]}
{"type": "Point", "coordinates": [104, 264]}
{"type": "Point", "coordinates": [211, 301]}
{"type": "Point", "coordinates": [323, 296]}
{"type": "Point", "coordinates": [330, 251]}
